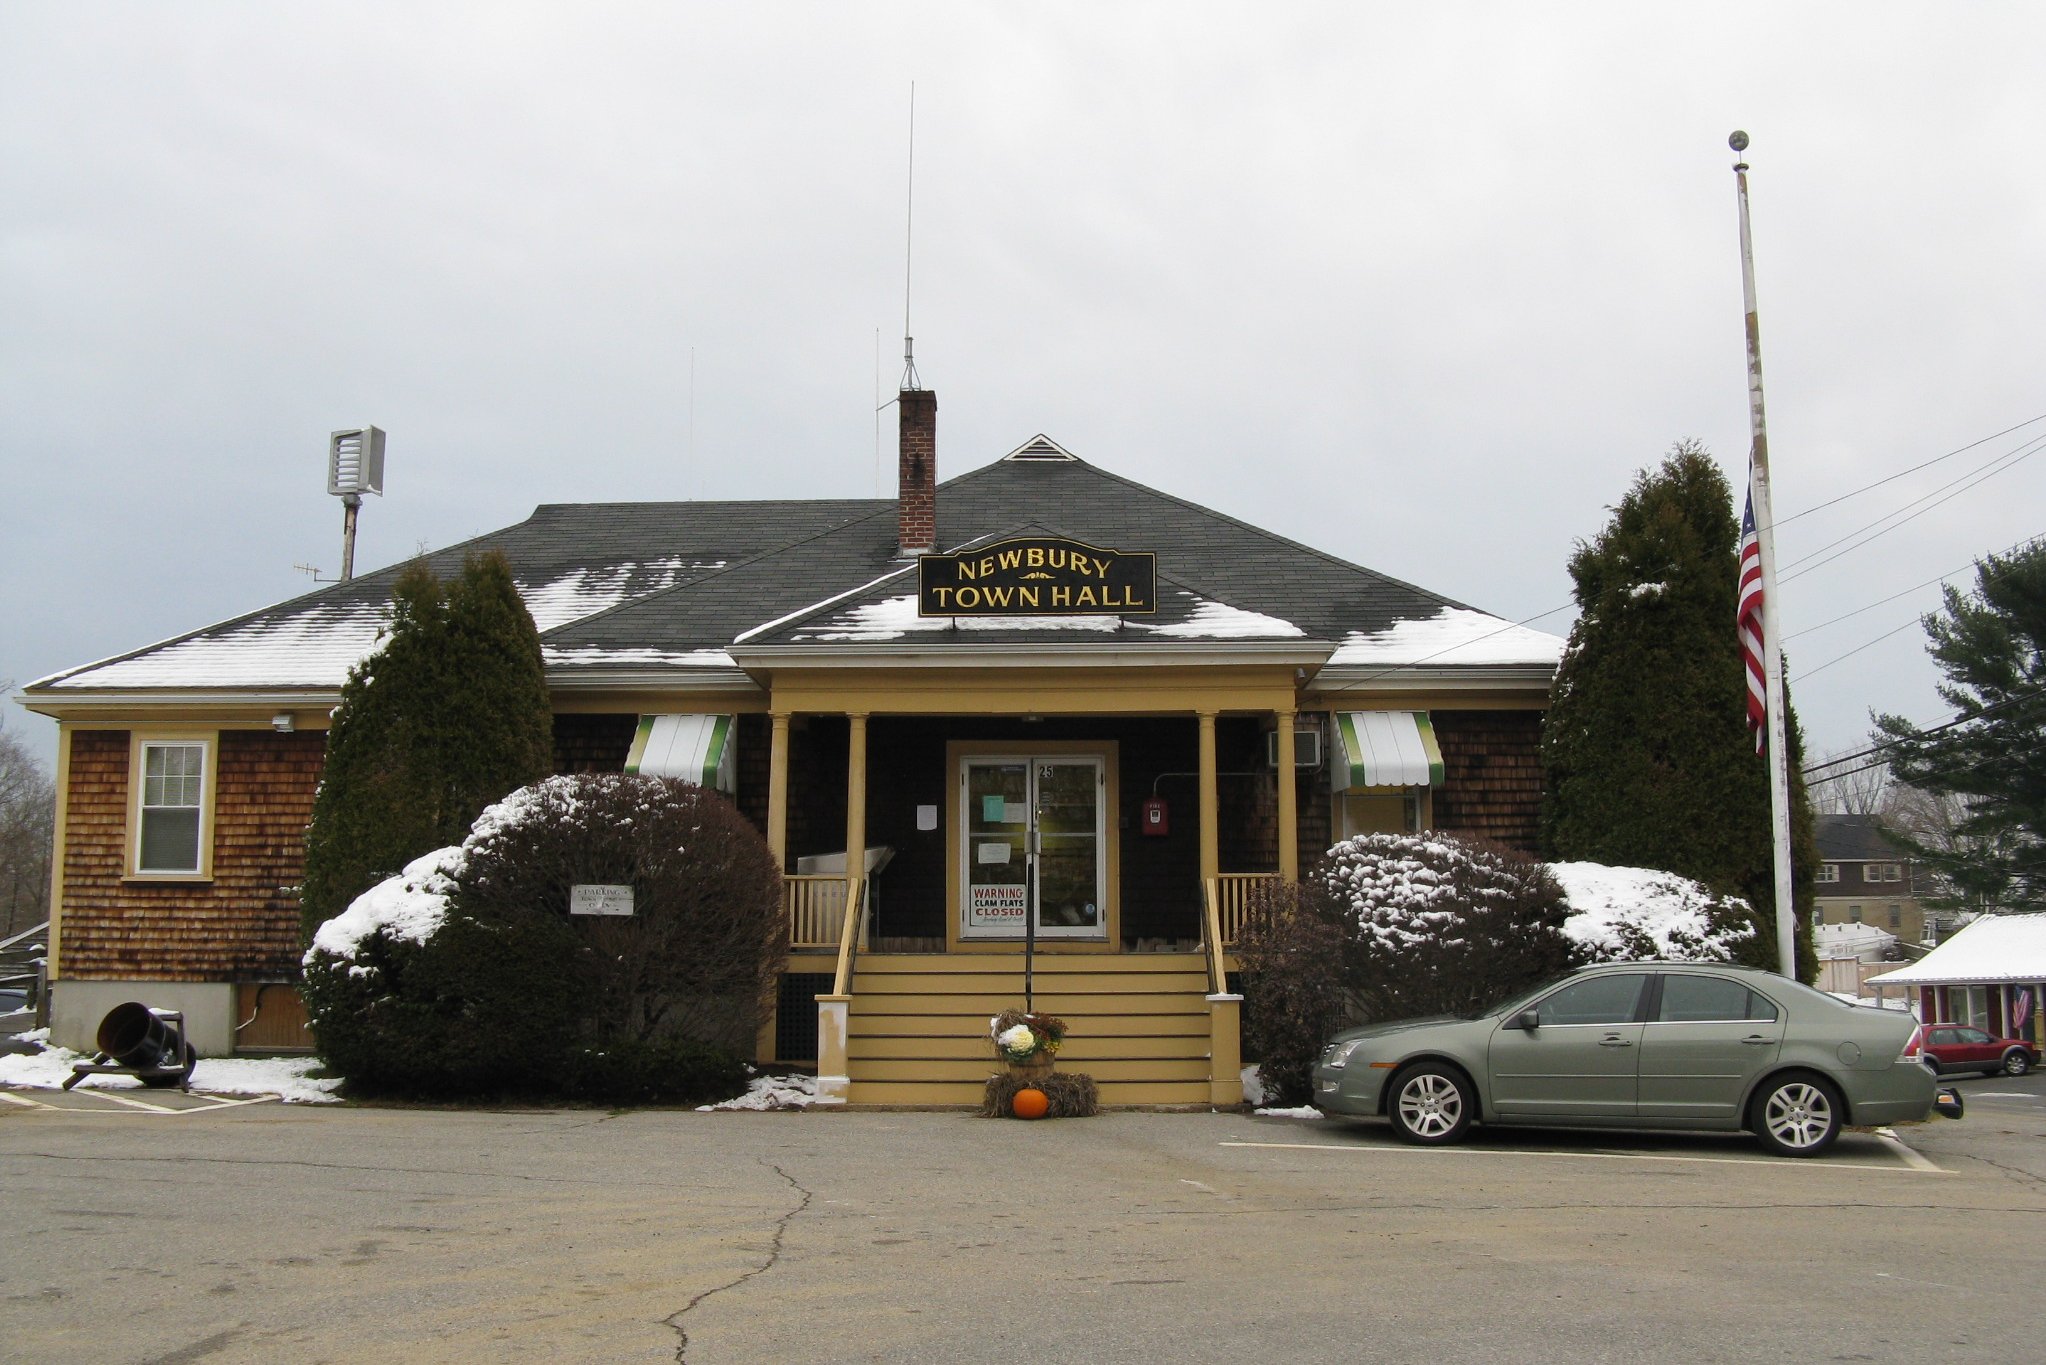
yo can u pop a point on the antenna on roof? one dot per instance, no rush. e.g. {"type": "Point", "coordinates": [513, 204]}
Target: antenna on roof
{"type": "Point", "coordinates": [355, 465]}
{"type": "Point", "coordinates": [910, 379]}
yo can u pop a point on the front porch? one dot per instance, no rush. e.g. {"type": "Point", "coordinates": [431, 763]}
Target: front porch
{"type": "Point", "coordinates": [1018, 860]}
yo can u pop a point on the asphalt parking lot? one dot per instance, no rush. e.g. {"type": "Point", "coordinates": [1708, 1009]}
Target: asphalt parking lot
{"type": "Point", "coordinates": [299, 1233]}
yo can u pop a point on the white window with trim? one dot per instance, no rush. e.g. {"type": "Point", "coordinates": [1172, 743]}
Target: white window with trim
{"type": "Point", "coordinates": [1827, 873]}
{"type": "Point", "coordinates": [1885, 872]}
{"type": "Point", "coordinates": [172, 781]}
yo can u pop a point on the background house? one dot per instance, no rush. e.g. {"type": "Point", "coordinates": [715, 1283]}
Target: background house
{"type": "Point", "coordinates": [1865, 878]}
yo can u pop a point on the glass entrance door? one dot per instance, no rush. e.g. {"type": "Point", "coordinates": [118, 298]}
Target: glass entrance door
{"type": "Point", "coordinates": [1034, 850]}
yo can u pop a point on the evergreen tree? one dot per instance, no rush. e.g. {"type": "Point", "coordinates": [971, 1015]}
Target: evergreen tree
{"type": "Point", "coordinates": [1646, 754]}
{"type": "Point", "coordinates": [446, 717]}
{"type": "Point", "coordinates": [1991, 645]}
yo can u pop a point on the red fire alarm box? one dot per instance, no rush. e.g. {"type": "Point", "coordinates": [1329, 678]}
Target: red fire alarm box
{"type": "Point", "coordinates": [1156, 818]}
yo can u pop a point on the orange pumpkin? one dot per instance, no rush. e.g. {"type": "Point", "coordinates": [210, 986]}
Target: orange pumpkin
{"type": "Point", "coordinates": [1030, 1103]}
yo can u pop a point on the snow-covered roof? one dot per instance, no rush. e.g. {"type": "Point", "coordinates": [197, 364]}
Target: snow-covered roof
{"type": "Point", "coordinates": [1453, 635]}
{"type": "Point", "coordinates": [670, 590]}
{"type": "Point", "coordinates": [1994, 948]}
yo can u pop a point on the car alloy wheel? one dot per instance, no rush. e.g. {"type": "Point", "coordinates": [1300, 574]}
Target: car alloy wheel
{"type": "Point", "coordinates": [1798, 1116]}
{"type": "Point", "coordinates": [2016, 1063]}
{"type": "Point", "coordinates": [1430, 1104]}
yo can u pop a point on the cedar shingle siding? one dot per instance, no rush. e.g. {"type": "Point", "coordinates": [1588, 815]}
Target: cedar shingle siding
{"type": "Point", "coordinates": [1493, 766]}
{"type": "Point", "coordinates": [241, 926]}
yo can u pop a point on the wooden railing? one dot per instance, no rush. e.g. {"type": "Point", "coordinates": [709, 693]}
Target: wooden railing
{"type": "Point", "coordinates": [1211, 935]}
{"type": "Point", "coordinates": [849, 935]}
{"type": "Point", "coordinates": [1233, 892]}
{"type": "Point", "coordinates": [816, 907]}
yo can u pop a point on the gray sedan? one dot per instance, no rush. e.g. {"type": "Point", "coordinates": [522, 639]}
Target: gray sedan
{"type": "Point", "coordinates": [1638, 1045]}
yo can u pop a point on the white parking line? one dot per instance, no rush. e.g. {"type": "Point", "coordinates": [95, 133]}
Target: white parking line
{"type": "Point", "coordinates": [1915, 1164]}
{"type": "Point", "coordinates": [1911, 1158]}
{"type": "Point", "coordinates": [129, 1107]}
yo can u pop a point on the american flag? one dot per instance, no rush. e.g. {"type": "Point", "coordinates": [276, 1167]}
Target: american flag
{"type": "Point", "coordinates": [1748, 613]}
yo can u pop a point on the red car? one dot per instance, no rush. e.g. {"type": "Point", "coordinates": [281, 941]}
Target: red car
{"type": "Point", "coordinates": [1962, 1047]}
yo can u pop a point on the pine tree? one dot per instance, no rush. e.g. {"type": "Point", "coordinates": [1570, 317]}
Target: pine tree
{"type": "Point", "coordinates": [1991, 646]}
{"type": "Point", "coordinates": [446, 717]}
{"type": "Point", "coordinates": [1646, 754]}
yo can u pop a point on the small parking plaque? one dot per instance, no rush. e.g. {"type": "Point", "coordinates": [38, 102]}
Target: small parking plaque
{"type": "Point", "coordinates": [591, 899]}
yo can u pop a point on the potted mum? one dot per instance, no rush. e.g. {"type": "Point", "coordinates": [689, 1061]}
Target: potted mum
{"type": "Point", "coordinates": [1027, 1042]}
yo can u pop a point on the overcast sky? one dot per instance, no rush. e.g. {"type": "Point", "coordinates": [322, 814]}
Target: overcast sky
{"type": "Point", "coordinates": [1423, 286]}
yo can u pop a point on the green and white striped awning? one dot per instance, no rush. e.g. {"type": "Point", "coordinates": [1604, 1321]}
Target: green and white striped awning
{"type": "Point", "coordinates": [698, 748]}
{"type": "Point", "coordinates": [1385, 749]}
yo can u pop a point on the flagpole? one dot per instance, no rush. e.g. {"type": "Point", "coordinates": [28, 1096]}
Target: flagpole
{"type": "Point", "coordinates": [1765, 535]}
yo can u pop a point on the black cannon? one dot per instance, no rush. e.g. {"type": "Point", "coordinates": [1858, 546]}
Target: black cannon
{"type": "Point", "coordinates": [148, 1044]}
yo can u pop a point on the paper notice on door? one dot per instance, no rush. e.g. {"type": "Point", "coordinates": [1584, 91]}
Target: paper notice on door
{"type": "Point", "coordinates": [991, 853]}
{"type": "Point", "coordinates": [993, 810]}
{"type": "Point", "coordinates": [1015, 812]}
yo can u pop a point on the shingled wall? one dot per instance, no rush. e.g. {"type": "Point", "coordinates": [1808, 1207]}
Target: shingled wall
{"type": "Point", "coordinates": [1493, 763]}
{"type": "Point", "coordinates": [241, 926]}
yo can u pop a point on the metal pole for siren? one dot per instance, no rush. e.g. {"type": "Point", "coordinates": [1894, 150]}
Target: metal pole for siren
{"type": "Point", "coordinates": [1778, 745]}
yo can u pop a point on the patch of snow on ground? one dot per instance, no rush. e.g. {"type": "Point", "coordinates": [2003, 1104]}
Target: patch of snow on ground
{"type": "Point", "coordinates": [1457, 635]}
{"type": "Point", "coordinates": [284, 1077]}
{"type": "Point", "coordinates": [1303, 1112]}
{"type": "Point", "coordinates": [1253, 1085]}
{"type": "Point", "coordinates": [775, 1092]}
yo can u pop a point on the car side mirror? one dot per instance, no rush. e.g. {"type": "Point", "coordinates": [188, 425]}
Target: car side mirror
{"type": "Point", "coordinates": [1527, 1019]}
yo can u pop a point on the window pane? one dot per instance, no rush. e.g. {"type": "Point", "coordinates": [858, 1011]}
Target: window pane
{"type": "Point", "coordinates": [170, 840]}
{"type": "Point", "coordinates": [1695, 999]}
{"type": "Point", "coordinates": [1601, 1000]}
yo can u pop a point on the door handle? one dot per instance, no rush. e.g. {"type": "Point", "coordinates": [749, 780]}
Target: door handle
{"type": "Point", "coordinates": [1757, 1040]}
{"type": "Point", "coordinates": [1615, 1040]}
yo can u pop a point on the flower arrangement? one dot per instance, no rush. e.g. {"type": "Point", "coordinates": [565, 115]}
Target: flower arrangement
{"type": "Point", "coordinates": [1018, 1036]}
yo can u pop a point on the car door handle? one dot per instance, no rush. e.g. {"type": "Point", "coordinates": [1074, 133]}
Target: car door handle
{"type": "Point", "coordinates": [1616, 1041]}
{"type": "Point", "coordinates": [1757, 1040]}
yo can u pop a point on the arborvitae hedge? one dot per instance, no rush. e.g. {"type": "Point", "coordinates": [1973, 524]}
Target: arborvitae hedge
{"type": "Point", "coordinates": [449, 715]}
{"type": "Point", "coordinates": [1646, 754]}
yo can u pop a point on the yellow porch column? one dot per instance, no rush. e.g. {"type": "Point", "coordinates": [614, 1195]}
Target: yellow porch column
{"type": "Point", "coordinates": [1211, 813]}
{"type": "Point", "coordinates": [778, 791]}
{"type": "Point", "coordinates": [1289, 803]}
{"type": "Point", "coordinates": [856, 798]}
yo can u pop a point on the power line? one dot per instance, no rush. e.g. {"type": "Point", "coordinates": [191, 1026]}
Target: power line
{"type": "Point", "coordinates": [1891, 478]}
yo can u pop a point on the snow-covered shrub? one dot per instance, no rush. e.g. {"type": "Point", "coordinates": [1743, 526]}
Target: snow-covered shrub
{"type": "Point", "coordinates": [468, 973]}
{"type": "Point", "coordinates": [1436, 924]}
{"type": "Point", "coordinates": [1392, 926]}
{"type": "Point", "coordinates": [1635, 914]}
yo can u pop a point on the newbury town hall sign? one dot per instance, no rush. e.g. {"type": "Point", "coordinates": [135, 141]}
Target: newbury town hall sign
{"type": "Point", "coordinates": [1038, 576]}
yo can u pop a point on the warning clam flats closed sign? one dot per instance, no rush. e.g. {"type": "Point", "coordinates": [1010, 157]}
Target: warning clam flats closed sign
{"type": "Point", "coordinates": [1038, 576]}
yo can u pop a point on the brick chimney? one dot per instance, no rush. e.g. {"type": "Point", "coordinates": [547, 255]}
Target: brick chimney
{"type": "Point", "coordinates": [916, 506]}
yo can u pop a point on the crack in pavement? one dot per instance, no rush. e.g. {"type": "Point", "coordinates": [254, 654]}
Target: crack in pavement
{"type": "Point", "coordinates": [781, 1227]}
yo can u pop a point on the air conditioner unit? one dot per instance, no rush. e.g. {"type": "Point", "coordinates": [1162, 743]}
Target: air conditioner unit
{"type": "Point", "coordinates": [1306, 748]}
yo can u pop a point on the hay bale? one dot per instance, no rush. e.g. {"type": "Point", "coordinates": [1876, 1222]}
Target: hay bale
{"type": "Point", "coordinates": [1072, 1094]}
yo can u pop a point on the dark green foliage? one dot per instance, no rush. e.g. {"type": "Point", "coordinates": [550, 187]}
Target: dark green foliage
{"type": "Point", "coordinates": [1392, 926]}
{"type": "Point", "coordinates": [513, 994]}
{"type": "Point", "coordinates": [664, 1071]}
{"type": "Point", "coordinates": [1991, 647]}
{"type": "Point", "coordinates": [1646, 755]}
{"type": "Point", "coordinates": [1291, 952]}
{"type": "Point", "coordinates": [449, 715]}
{"type": "Point", "coordinates": [699, 956]}
{"type": "Point", "coordinates": [475, 1010]}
